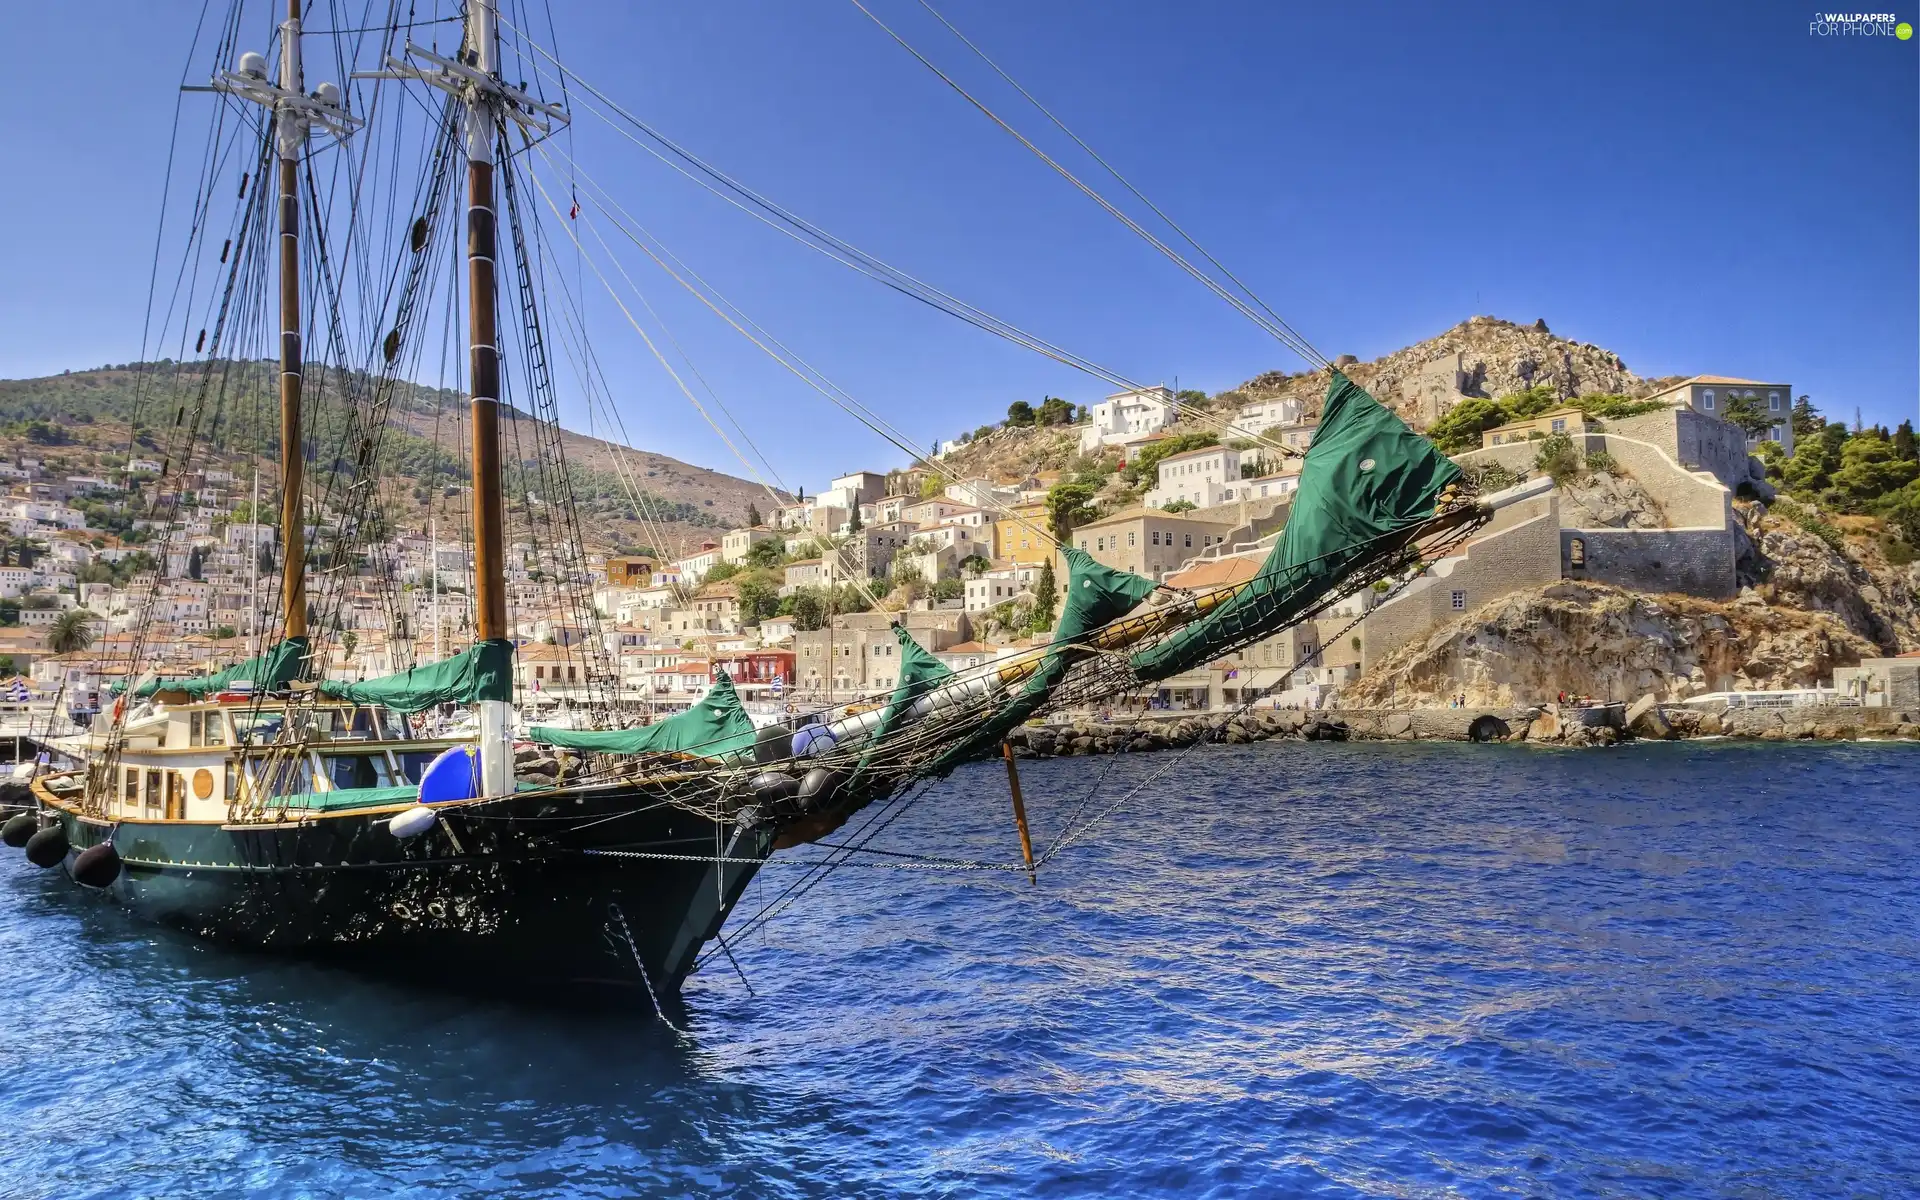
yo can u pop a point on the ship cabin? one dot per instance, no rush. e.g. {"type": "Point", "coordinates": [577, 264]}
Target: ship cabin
{"type": "Point", "coordinates": [211, 760]}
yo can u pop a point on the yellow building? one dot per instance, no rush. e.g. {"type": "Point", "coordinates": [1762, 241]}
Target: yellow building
{"type": "Point", "coordinates": [1570, 421]}
{"type": "Point", "coordinates": [1021, 537]}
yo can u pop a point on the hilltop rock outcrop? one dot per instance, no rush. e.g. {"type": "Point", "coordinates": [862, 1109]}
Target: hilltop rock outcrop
{"type": "Point", "coordinates": [1498, 358]}
{"type": "Point", "coordinates": [1611, 645]}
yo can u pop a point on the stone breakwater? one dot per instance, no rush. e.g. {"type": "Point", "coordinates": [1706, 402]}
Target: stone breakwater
{"type": "Point", "coordinates": [1554, 725]}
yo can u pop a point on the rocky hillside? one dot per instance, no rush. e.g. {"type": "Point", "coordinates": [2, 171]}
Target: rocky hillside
{"type": "Point", "coordinates": [1499, 358]}
{"type": "Point", "coordinates": [1849, 577]}
{"type": "Point", "coordinates": [1012, 453]}
{"type": "Point", "coordinates": [1611, 645]}
{"type": "Point", "coordinates": [83, 422]}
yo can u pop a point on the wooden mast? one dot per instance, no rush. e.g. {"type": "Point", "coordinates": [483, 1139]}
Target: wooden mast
{"type": "Point", "coordinates": [290, 138]}
{"type": "Point", "coordinates": [490, 584]}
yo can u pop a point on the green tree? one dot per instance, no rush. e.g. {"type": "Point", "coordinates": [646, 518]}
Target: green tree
{"type": "Point", "coordinates": [720, 572]}
{"type": "Point", "coordinates": [1521, 406]}
{"type": "Point", "coordinates": [853, 520]}
{"type": "Point", "coordinates": [348, 642]}
{"type": "Point", "coordinates": [225, 633]}
{"type": "Point", "coordinates": [759, 596]}
{"type": "Point", "coordinates": [765, 554]}
{"type": "Point", "coordinates": [1557, 459]}
{"type": "Point", "coordinates": [71, 632]}
{"type": "Point", "coordinates": [1019, 414]}
{"type": "Point", "coordinates": [1460, 429]}
{"type": "Point", "coordinates": [753, 516]}
{"type": "Point", "coordinates": [951, 588]}
{"type": "Point", "coordinates": [1192, 397]}
{"type": "Point", "coordinates": [1054, 411]}
{"type": "Point", "coordinates": [1869, 470]}
{"type": "Point", "coordinates": [1046, 594]}
{"type": "Point", "coordinates": [807, 607]}
{"type": "Point", "coordinates": [1146, 465]}
{"type": "Point", "coordinates": [1901, 511]}
{"type": "Point", "coordinates": [1069, 505]}
{"type": "Point", "coordinates": [1179, 506]}
{"type": "Point", "coordinates": [1807, 420]}
{"type": "Point", "coordinates": [976, 565]}
{"type": "Point", "coordinates": [1749, 413]}
{"type": "Point", "coordinates": [194, 563]}
{"type": "Point", "coordinates": [1903, 442]}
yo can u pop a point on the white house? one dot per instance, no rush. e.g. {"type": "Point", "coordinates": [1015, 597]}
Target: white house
{"type": "Point", "coordinates": [1267, 414]}
{"type": "Point", "coordinates": [1127, 417]}
{"type": "Point", "coordinates": [994, 588]}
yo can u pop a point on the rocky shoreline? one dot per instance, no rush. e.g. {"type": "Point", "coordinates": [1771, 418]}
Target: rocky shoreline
{"type": "Point", "coordinates": [1602, 725]}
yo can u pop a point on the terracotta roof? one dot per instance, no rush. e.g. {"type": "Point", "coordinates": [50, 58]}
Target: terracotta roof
{"type": "Point", "coordinates": [1215, 573]}
{"type": "Point", "coordinates": [969, 648]}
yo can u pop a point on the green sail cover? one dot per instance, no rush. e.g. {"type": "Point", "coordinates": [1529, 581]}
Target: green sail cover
{"type": "Point", "coordinates": [276, 668]}
{"type": "Point", "coordinates": [716, 726]}
{"type": "Point", "coordinates": [1366, 477]}
{"type": "Point", "coordinates": [484, 672]}
{"type": "Point", "coordinates": [1096, 594]}
{"type": "Point", "coordinates": [920, 673]}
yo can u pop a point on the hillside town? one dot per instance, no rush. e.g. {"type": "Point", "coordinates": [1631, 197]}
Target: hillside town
{"type": "Point", "coordinates": [1658, 488]}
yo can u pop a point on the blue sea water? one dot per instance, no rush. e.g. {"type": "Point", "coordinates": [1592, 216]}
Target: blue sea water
{"type": "Point", "coordinates": [1286, 969]}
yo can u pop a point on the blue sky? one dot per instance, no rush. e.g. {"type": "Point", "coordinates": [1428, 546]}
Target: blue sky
{"type": "Point", "coordinates": [1699, 187]}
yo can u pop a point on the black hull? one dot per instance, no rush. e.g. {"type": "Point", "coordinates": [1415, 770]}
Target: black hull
{"type": "Point", "coordinates": [507, 898]}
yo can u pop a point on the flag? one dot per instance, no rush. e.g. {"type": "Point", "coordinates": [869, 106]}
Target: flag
{"type": "Point", "coordinates": [573, 214]}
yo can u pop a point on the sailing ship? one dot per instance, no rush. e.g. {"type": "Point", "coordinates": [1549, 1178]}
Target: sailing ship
{"type": "Point", "coordinates": [267, 806]}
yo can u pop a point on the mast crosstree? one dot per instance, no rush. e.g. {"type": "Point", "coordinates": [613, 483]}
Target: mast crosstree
{"type": "Point", "coordinates": [295, 114]}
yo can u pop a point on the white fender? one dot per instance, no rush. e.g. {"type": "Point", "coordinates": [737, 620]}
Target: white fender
{"type": "Point", "coordinates": [413, 822]}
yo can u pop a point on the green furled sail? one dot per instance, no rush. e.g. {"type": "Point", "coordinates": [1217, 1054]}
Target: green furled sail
{"type": "Point", "coordinates": [1096, 594]}
{"type": "Point", "coordinates": [276, 668]}
{"type": "Point", "coordinates": [920, 673]}
{"type": "Point", "coordinates": [483, 672]}
{"type": "Point", "coordinates": [1367, 478]}
{"type": "Point", "coordinates": [716, 726]}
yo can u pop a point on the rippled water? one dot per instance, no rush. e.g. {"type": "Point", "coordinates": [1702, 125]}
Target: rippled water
{"type": "Point", "coordinates": [1672, 970]}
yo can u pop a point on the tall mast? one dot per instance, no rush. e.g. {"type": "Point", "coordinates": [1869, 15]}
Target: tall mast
{"type": "Point", "coordinates": [489, 543]}
{"type": "Point", "coordinates": [490, 585]}
{"type": "Point", "coordinates": [290, 141]}
{"type": "Point", "coordinates": [295, 113]}
{"type": "Point", "coordinates": [474, 79]}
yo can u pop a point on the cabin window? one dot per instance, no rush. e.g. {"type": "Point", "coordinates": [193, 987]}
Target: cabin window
{"type": "Point", "coordinates": [283, 775]}
{"type": "Point", "coordinates": [357, 770]}
{"type": "Point", "coordinates": [213, 729]}
{"type": "Point", "coordinates": [153, 790]}
{"type": "Point", "coordinates": [258, 728]}
{"type": "Point", "coordinates": [194, 725]}
{"type": "Point", "coordinates": [361, 725]}
{"type": "Point", "coordinates": [413, 764]}
{"type": "Point", "coordinates": [131, 786]}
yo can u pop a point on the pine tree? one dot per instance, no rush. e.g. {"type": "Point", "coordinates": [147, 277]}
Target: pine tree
{"type": "Point", "coordinates": [753, 516]}
{"type": "Point", "coordinates": [1045, 595]}
{"type": "Point", "coordinates": [1903, 442]}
